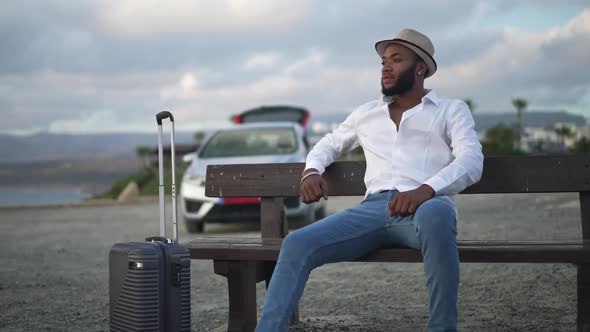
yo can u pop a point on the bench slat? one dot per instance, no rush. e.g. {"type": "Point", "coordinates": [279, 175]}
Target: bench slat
{"type": "Point", "coordinates": [514, 174]}
{"type": "Point", "coordinates": [472, 251]}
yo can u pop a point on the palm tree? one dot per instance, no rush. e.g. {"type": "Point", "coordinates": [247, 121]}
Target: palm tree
{"type": "Point", "coordinates": [563, 132]}
{"type": "Point", "coordinates": [520, 104]}
{"type": "Point", "coordinates": [199, 136]}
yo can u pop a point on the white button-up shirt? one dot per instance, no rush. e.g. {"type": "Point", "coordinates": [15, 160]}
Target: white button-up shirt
{"type": "Point", "coordinates": [436, 144]}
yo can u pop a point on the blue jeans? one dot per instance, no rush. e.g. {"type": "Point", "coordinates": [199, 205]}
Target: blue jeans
{"type": "Point", "coordinates": [356, 232]}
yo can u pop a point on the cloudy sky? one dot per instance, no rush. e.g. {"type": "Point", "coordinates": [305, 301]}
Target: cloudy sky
{"type": "Point", "coordinates": [108, 66]}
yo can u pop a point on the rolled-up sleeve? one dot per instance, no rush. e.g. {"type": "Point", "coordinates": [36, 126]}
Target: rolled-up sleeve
{"type": "Point", "coordinates": [330, 147]}
{"type": "Point", "coordinates": [467, 166]}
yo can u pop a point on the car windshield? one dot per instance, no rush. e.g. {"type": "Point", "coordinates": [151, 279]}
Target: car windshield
{"type": "Point", "coordinates": [250, 142]}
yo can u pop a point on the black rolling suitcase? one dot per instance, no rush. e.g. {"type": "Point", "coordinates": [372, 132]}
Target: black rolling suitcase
{"type": "Point", "coordinates": [150, 281]}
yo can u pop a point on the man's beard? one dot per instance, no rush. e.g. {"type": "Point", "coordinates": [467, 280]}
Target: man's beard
{"type": "Point", "coordinates": [405, 82]}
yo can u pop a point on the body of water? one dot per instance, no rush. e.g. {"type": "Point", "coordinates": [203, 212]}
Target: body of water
{"type": "Point", "coordinates": [42, 196]}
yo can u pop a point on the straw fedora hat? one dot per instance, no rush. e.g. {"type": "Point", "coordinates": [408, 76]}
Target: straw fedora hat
{"type": "Point", "coordinates": [417, 42]}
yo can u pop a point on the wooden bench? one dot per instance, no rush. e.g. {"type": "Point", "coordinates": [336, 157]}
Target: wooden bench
{"type": "Point", "coordinates": [246, 261]}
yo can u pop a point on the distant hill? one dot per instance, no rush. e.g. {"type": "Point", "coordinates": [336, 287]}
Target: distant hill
{"type": "Point", "coordinates": [45, 147]}
{"type": "Point", "coordinates": [483, 121]}
{"type": "Point", "coordinates": [89, 175]}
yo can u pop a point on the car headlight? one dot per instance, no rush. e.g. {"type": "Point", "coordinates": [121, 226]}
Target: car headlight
{"type": "Point", "coordinates": [195, 179]}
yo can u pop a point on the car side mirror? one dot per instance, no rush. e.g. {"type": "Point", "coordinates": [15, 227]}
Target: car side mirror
{"type": "Point", "coordinates": [188, 157]}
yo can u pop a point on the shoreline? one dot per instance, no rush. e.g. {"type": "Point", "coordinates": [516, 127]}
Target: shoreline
{"type": "Point", "coordinates": [87, 188]}
{"type": "Point", "coordinates": [90, 202]}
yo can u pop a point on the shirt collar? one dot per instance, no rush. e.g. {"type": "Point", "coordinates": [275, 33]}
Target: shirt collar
{"type": "Point", "coordinates": [430, 95]}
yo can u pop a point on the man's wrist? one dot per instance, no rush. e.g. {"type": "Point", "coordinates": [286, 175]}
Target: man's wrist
{"type": "Point", "coordinates": [307, 173]}
{"type": "Point", "coordinates": [427, 189]}
{"type": "Point", "coordinates": [309, 170]}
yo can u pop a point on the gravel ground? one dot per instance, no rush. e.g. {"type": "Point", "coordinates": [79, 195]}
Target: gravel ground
{"type": "Point", "coordinates": [54, 272]}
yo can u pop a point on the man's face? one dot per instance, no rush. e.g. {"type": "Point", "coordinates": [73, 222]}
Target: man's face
{"type": "Point", "coordinates": [398, 71]}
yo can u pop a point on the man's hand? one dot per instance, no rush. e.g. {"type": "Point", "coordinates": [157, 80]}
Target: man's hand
{"type": "Point", "coordinates": [405, 203]}
{"type": "Point", "coordinates": [313, 188]}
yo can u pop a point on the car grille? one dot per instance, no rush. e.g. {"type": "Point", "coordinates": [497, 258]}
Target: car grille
{"type": "Point", "coordinates": [192, 206]}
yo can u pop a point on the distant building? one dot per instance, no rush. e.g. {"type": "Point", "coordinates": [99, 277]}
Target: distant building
{"type": "Point", "coordinates": [536, 140]}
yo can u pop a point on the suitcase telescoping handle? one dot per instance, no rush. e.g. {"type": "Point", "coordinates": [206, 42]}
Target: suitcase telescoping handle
{"type": "Point", "coordinates": [159, 117]}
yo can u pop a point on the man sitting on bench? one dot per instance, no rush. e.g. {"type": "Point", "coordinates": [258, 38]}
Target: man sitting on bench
{"type": "Point", "coordinates": [420, 150]}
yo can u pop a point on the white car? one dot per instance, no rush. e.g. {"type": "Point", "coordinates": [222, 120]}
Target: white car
{"type": "Point", "coordinates": [249, 143]}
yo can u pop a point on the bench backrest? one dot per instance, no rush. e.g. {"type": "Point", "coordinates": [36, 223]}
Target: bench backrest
{"type": "Point", "coordinates": [510, 174]}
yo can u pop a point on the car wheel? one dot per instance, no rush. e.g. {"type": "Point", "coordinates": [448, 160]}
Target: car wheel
{"type": "Point", "coordinates": [194, 226]}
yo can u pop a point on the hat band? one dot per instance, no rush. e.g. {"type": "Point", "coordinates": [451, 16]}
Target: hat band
{"type": "Point", "coordinates": [418, 47]}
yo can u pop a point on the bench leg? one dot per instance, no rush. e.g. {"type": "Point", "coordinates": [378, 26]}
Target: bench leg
{"type": "Point", "coordinates": [241, 283]}
{"type": "Point", "coordinates": [269, 268]}
{"type": "Point", "coordinates": [583, 320]}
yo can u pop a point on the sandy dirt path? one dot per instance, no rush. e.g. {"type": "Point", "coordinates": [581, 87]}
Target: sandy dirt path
{"type": "Point", "coordinates": [54, 272]}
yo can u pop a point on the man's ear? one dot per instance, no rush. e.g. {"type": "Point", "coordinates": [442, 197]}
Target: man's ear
{"type": "Point", "coordinates": [422, 68]}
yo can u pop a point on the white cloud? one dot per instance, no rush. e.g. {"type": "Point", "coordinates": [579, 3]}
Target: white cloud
{"type": "Point", "coordinates": [153, 18]}
{"type": "Point", "coordinates": [309, 81]}
{"type": "Point", "coordinates": [84, 124]}
{"type": "Point", "coordinates": [109, 122]}
{"type": "Point", "coordinates": [314, 59]}
{"type": "Point", "coordinates": [262, 60]}
{"type": "Point", "coordinates": [61, 101]}
{"type": "Point", "coordinates": [206, 60]}
{"type": "Point", "coordinates": [547, 68]}
{"type": "Point", "coordinates": [279, 84]}
{"type": "Point", "coordinates": [265, 87]}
